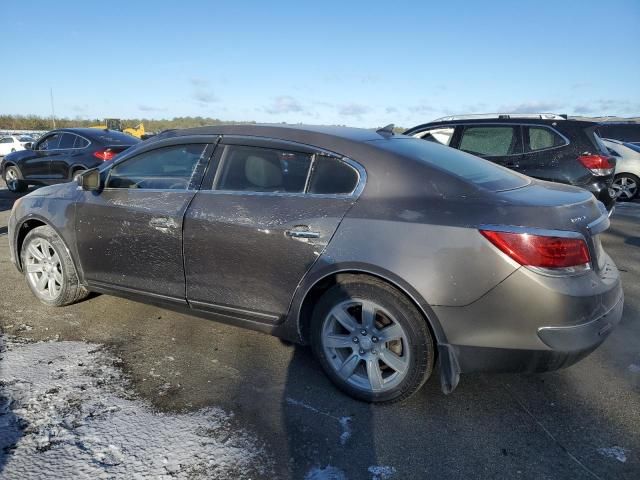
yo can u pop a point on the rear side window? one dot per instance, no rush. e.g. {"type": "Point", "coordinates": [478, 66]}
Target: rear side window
{"type": "Point", "coordinates": [468, 167]}
{"type": "Point", "coordinates": [6, 140]}
{"type": "Point", "coordinates": [490, 141]}
{"type": "Point", "coordinates": [116, 138]}
{"type": "Point", "coordinates": [81, 142]}
{"type": "Point", "coordinates": [169, 168]}
{"type": "Point", "coordinates": [441, 135]}
{"type": "Point", "coordinates": [67, 141]}
{"type": "Point", "coordinates": [332, 176]}
{"type": "Point", "coordinates": [255, 169]}
{"type": "Point", "coordinates": [541, 138]}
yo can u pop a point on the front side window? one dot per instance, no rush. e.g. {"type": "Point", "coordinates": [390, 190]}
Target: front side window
{"type": "Point", "coordinates": [50, 143]}
{"type": "Point", "coordinates": [168, 168]}
{"type": "Point", "coordinates": [541, 138]}
{"type": "Point", "coordinates": [332, 176]}
{"type": "Point", "coordinates": [255, 169]}
{"type": "Point", "coordinates": [442, 135]}
{"type": "Point", "coordinates": [490, 141]}
{"type": "Point", "coordinates": [6, 140]}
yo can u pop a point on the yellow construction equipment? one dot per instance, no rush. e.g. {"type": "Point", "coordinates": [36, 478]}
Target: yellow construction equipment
{"type": "Point", "coordinates": [116, 124]}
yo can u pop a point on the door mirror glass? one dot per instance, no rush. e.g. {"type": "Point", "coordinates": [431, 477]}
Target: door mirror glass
{"type": "Point", "coordinates": [89, 180]}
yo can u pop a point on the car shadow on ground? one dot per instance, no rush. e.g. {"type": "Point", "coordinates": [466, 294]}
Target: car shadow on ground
{"type": "Point", "coordinates": [7, 198]}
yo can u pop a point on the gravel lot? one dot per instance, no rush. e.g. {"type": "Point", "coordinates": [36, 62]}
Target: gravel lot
{"type": "Point", "coordinates": [582, 422]}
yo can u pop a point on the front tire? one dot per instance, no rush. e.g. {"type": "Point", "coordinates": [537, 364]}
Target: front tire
{"type": "Point", "coordinates": [371, 340]}
{"type": "Point", "coordinates": [49, 270]}
{"type": "Point", "coordinates": [625, 187]}
{"type": "Point", "coordinates": [13, 179]}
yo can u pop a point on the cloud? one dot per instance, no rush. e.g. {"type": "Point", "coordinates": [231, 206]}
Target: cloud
{"type": "Point", "coordinates": [150, 108]}
{"type": "Point", "coordinates": [421, 108]}
{"type": "Point", "coordinates": [531, 107]}
{"type": "Point", "coordinates": [391, 110]}
{"type": "Point", "coordinates": [199, 82]}
{"type": "Point", "coordinates": [79, 108]}
{"type": "Point", "coordinates": [201, 91]}
{"type": "Point", "coordinates": [285, 104]}
{"type": "Point", "coordinates": [353, 109]}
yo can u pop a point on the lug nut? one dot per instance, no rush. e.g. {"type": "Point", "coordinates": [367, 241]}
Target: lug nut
{"type": "Point", "coordinates": [363, 332]}
{"type": "Point", "coordinates": [361, 352]}
{"type": "Point", "coordinates": [374, 351]}
{"type": "Point", "coordinates": [355, 339]}
{"type": "Point", "coordinates": [374, 339]}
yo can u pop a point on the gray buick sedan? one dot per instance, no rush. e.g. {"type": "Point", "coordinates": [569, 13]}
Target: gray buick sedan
{"type": "Point", "coordinates": [387, 254]}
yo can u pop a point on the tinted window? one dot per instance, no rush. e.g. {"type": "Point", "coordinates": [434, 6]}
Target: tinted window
{"type": "Point", "coordinates": [67, 141]}
{"type": "Point", "coordinates": [441, 135]}
{"type": "Point", "coordinates": [541, 138]}
{"type": "Point", "coordinates": [80, 142]}
{"type": "Point", "coordinates": [165, 168]}
{"type": "Point", "coordinates": [50, 142]}
{"type": "Point", "coordinates": [332, 176]}
{"type": "Point", "coordinates": [472, 169]}
{"type": "Point", "coordinates": [263, 170]}
{"type": "Point", "coordinates": [490, 141]}
{"type": "Point", "coordinates": [115, 138]}
{"type": "Point", "coordinates": [6, 140]}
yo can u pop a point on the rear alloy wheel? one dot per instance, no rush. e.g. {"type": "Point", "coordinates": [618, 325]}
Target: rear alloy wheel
{"type": "Point", "coordinates": [625, 187]}
{"type": "Point", "coordinates": [371, 341]}
{"type": "Point", "coordinates": [48, 268]}
{"type": "Point", "coordinates": [13, 179]}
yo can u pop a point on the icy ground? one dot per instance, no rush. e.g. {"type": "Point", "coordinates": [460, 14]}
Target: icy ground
{"type": "Point", "coordinates": [66, 412]}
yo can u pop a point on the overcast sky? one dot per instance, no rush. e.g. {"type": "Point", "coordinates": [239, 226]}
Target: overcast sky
{"type": "Point", "coordinates": [362, 64]}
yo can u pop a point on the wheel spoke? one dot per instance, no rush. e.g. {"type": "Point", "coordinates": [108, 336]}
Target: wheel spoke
{"type": "Point", "coordinates": [338, 341]}
{"type": "Point", "coordinates": [52, 287]}
{"type": "Point", "coordinates": [42, 282]}
{"type": "Point", "coordinates": [368, 315]}
{"type": "Point", "coordinates": [35, 252]}
{"type": "Point", "coordinates": [374, 373]}
{"type": "Point", "coordinates": [349, 365]}
{"type": "Point", "coordinates": [34, 268]}
{"type": "Point", "coordinates": [392, 332]}
{"type": "Point", "coordinates": [399, 364]}
{"type": "Point", "coordinates": [57, 276]}
{"type": "Point", "coordinates": [346, 320]}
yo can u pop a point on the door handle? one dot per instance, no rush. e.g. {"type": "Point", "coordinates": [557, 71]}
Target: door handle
{"type": "Point", "coordinates": [301, 231]}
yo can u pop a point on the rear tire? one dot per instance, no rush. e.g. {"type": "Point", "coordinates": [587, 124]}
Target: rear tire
{"type": "Point", "coordinates": [371, 340]}
{"type": "Point", "coordinates": [13, 179]}
{"type": "Point", "coordinates": [625, 186]}
{"type": "Point", "coordinates": [49, 270]}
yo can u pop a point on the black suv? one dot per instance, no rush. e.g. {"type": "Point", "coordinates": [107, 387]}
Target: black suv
{"type": "Point", "coordinates": [545, 146]}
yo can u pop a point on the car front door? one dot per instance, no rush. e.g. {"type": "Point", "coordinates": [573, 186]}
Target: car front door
{"type": "Point", "coordinates": [129, 234]}
{"type": "Point", "coordinates": [60, 163]}
{"type": "Point", "coordinates": [265, 219]}
{"type": "Point", "coordinates": [36, 165]}
{"type": "Point", "coordinates": [501, 144]}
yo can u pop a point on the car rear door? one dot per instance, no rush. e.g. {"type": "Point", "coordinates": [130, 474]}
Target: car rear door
{"type": "Point", "coordinates": [543, 152]}
{"type": "Point", "coordinates": [498, 143]}
{"type": "Point", "coordinates": [255, 229]}
{"type": "Point", "coordinates": [129, 234]}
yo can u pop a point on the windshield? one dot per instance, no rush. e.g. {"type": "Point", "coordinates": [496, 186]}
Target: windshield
{"type": "Point", "coordinates": [473, 169]}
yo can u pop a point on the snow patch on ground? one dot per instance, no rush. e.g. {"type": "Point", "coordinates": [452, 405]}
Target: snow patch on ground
{"type": "Point", "coordinates": [616, 452]}
{"type": "Point", "coordinates": [326, 473]}
{"type": "Point", "coordinates": [381, 472]}
{"type": "Point", "coordinates": [65, 408]}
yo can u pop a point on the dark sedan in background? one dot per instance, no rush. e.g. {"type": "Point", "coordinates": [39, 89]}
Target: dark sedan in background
{"type": "Point", "coordinates": [384, 252]}
{"type": "Point", "coordinates": [60, 154]}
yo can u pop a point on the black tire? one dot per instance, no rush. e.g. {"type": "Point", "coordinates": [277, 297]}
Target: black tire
{"type": "Point", "coordinates": [421, 344]}
{"type": "Point", "coordinates": [16, 185]}
{"type": "Point", "coordinates": [631, 178]}
{"type": "Point", "coordinates": [76, 171]}
{"type": "Point", "coordinates": [71, 290]}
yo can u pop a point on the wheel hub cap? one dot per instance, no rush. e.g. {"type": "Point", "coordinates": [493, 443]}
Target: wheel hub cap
{"type": "Point", "coordinates": [44, 269]}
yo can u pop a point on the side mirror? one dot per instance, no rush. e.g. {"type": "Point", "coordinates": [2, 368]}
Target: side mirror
{"type": "Point", "coordinates": [89, 180]}
{"type": "Point", "coordinates": [28, 146]}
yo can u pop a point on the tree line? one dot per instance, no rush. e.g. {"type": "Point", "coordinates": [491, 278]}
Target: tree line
{"type": "Point", "coordinates": [36, 122]}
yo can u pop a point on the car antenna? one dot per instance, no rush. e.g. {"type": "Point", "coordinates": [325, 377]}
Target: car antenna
{"type": "Point", "coordinates": [386, 131]}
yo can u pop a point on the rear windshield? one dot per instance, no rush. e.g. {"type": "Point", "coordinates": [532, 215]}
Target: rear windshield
{"type": "Point", "coordinates": [116, 138]}
{"type": "Point", "coordinates": [473, 169]}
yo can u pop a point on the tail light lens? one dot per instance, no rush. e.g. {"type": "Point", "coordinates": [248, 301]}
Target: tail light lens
{"type": "Point", "coordinates": [104, 155]}
{"type": "Point", "coordinates": [569, 254]}
{"type": "Point", "coordinates": [598, 164]}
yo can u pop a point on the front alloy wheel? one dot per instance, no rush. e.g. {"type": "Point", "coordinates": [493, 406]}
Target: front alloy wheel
{"type": "Point", "coordinates": [371, 340]}
{"type": "Point", "coordinates": [14, 180]}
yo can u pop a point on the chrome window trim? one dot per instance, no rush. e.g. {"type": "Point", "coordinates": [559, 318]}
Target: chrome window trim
{"type": "Point", "coordinates": [73, 148]}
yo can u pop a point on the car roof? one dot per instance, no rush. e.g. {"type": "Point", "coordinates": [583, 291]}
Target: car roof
{"type": "Point", "coordinates": [517, 121]}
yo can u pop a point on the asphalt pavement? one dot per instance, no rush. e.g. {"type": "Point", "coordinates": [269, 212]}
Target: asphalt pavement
{"type": "Point", "coordinates": [577, 423]}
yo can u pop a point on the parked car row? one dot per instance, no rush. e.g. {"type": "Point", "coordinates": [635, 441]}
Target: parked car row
{"type": "Point", "coordinates": [627, 180]}
{"type": "Point", "coordinates": [386, 253]}
{"type": "Point", "coordinates": [14, 143]}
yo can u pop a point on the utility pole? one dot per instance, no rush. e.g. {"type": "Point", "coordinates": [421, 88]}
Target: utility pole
{"type": "Point", "coordinates": [53, 113]}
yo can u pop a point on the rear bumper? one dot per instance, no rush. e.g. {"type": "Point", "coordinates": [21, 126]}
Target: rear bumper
{"type": "Point", "coordinates": [600, 190]}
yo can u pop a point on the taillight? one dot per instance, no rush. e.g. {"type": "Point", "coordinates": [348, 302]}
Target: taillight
{"type": "Point", "coordinates": [598, 164]}
{"type": "Point", "coordinates": [541, 251]}
{"type": "Point", "coordinates": [104, 154]}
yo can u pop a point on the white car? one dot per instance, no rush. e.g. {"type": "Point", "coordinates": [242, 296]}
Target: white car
{"type": "Point", "coordinates": [627, 180]}
{"type": "Point", "coordinates": [13, 143]}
